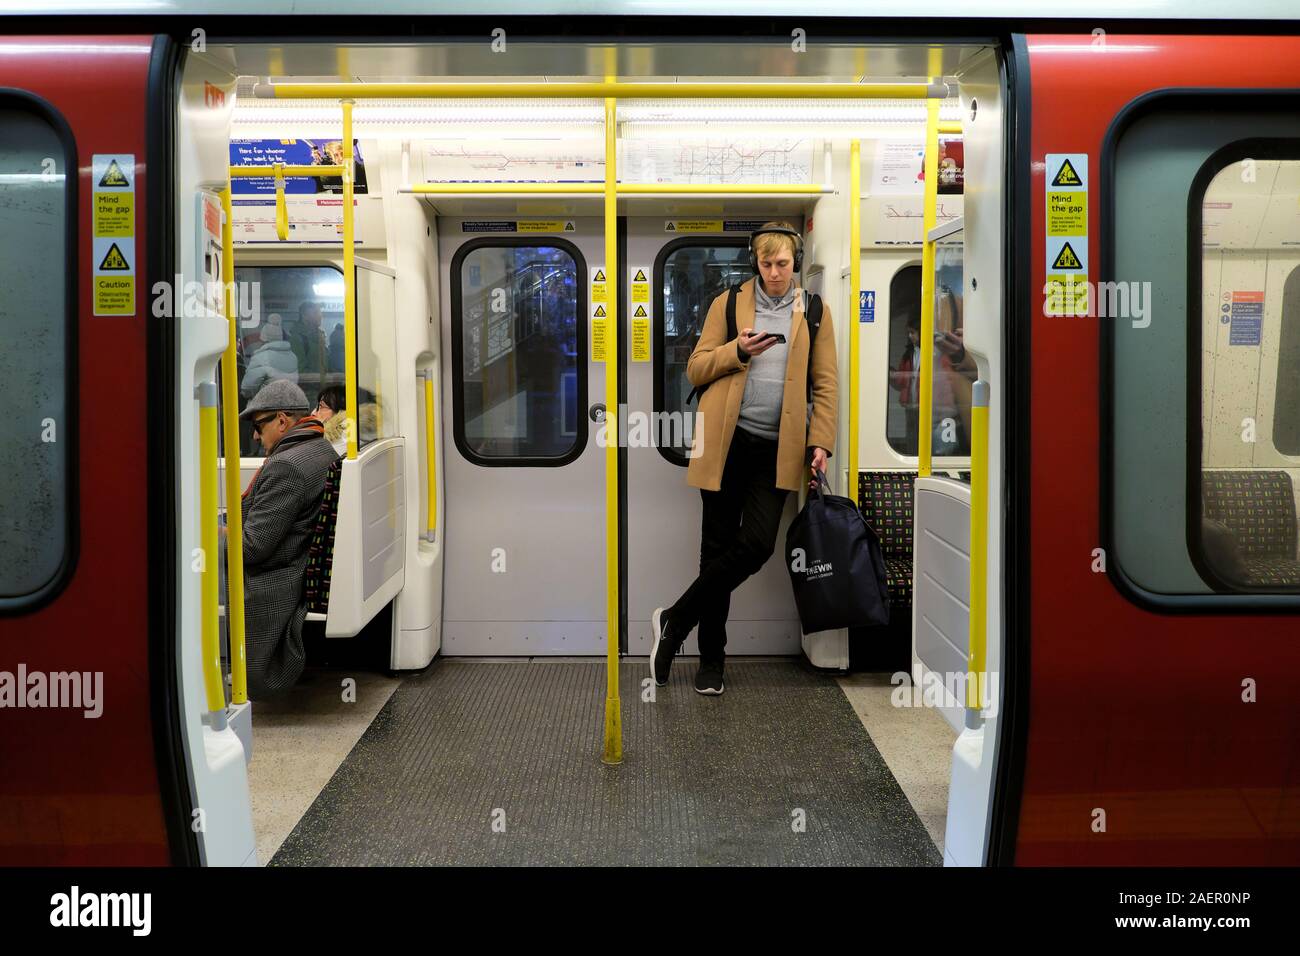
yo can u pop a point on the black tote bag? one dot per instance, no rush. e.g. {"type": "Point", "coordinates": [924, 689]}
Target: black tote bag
{"type": "Point", "coordinates": [836, 565]}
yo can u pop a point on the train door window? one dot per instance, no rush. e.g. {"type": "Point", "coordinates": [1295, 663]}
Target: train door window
{"type": "Point", "coordinates": [901, 399]}
{"type": "Point", "coordinates": [38, 314]}
{"type": "Point", "coordinates": [689, 274]}
{"type": "Point", "coordinates": [519, 351]}
{"type": "Point", "coordinates": [1198, 304]}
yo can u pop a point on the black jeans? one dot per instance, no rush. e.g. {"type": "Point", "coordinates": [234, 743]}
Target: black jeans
{"type": "Point", "coordinates": [737, 536]}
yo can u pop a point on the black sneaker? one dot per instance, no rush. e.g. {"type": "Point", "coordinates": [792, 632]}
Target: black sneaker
{"type": "Point", "coordinates": [708, 680]}
{"type": "Point", "coordinates": [664, 648]}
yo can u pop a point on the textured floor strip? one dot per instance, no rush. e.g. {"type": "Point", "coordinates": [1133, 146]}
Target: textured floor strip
{"type": "Point", "coordinates": [498, 763]}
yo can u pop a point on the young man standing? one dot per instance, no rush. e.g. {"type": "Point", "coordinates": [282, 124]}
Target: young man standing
{"type": "Point", "coordinates": [757, 437]}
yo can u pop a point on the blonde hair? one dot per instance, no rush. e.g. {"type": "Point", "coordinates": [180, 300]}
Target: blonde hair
{"type": "Point", "coordinates": [770, 243]}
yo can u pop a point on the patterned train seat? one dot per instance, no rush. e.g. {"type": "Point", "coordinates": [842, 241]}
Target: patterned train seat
{"type": "Point", "coordinates": [320, 553]}
{"type": "Point", "coordinates": [886, 499]}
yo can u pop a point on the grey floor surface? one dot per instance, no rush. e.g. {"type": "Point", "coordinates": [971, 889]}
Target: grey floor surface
{"type": "Point", "coordinates": [498, 763]}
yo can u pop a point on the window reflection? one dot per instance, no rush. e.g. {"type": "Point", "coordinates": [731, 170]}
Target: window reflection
{"type": "Point", "coordinates": [519, 335]}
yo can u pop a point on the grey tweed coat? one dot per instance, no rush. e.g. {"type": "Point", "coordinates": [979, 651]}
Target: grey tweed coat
{"type": "Point", "coordinates": [279, 513]}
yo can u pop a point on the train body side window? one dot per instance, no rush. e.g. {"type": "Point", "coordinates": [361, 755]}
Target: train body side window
{"type": "Point", "coordinates": [689, 275]}
{"type": "Point", "coordinates": [519, 351]}
{"type": "Point", "coordinates": [1250, 338]}
{"type": "Point", "coordinates": [1198, 307]}
{"type": "Point", "coordinates": [37, 315]}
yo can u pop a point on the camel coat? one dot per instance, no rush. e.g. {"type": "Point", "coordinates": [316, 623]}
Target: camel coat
{"type": "Point", "coordinates": [717, 361]}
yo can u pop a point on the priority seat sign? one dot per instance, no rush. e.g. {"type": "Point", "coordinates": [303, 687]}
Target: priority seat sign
{"type": "Point", "coordinates": [112, 259]}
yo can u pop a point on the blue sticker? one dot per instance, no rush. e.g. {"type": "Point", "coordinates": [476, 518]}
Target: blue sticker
{"type": "Point", "coordinates": [867, 305]}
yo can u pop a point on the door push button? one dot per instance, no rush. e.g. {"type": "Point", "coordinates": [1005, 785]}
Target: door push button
{"type": "Point", "coordinates": [597, 412]}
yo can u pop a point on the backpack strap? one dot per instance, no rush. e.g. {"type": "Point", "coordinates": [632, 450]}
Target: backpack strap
{"type": "Point", "coordinates": [813, 316]}
{"type": "Point", "coordinates": [698, 390]}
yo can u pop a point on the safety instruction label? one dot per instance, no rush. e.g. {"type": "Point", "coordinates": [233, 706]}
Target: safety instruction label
{"type": "Point", "coordinates": [639, 283]}
{"type": "Point", "coordinates": [518, 225]}
{"type": "Point", "coordinates": [599, 285]}
{"type": "Point", "coordinates": [1066, 252]}
{"type": "Point", "coordinates": [1246, 312]}
{"type": "Point", "coordinates": [113, 233]}
{"type": "Point", "coordinates": [640, 333]}
{"type": "Point", "coordinates": [599, 338]}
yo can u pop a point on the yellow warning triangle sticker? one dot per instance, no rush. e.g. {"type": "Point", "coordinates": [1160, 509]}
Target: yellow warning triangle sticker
{"type": "Point", "coordinates": [114, 261]}
{"type": "Point", "coordinates": [568, 227]}
{"type": "Point", "coordinates": [640, 276]}
{"type": "Point", "coordinates": [671, 227]}
{"type": "Point", "coordinates": [600, 276]}
{"type": "Point", "coordinates": [600, 311]}
{"type": "Point", "coordinates": [113, 176]}
{"type": "Point", "coordinates": [640, 311]}
{"type": "Point", "coordinates": [1066, 259]}
{"type": "Point", "coordinates": [1066, 176]}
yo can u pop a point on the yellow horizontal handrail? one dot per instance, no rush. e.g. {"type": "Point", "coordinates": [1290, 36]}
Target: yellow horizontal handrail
{"type": "Point", "coordinates": [624, 189]}
{"type": "Point", "coordinates": [836, 91]}
{"type": "Point", "coordinates": [950, 128]}
{"type": "Point", "coordinates": [255, 172]}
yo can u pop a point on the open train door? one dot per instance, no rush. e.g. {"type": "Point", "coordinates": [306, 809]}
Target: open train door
{"type": "Point", "coordinates": [1162, 313]}
{"type": "Point", "coordinates": [87, 561]}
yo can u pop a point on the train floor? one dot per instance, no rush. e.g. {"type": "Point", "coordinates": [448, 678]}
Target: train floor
{"type": "Point", "coordinates": [497, 762]}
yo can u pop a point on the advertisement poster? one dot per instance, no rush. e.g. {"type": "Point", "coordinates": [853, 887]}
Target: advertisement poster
{"type": "Point", "coordinates": [899, 168]}
{"type": "Point", "coordinates": [295, 152]}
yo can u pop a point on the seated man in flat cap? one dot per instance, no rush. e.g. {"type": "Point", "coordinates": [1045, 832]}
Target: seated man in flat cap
{"type": "Point", "coordinates": [279, 512]}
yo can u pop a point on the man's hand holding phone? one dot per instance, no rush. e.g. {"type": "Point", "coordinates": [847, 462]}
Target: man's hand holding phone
{"type": "Point", "coordinates": [756, 343]}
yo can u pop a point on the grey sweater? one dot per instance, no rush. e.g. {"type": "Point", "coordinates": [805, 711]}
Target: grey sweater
{"type": "Point", "coordinates": [760, 408]}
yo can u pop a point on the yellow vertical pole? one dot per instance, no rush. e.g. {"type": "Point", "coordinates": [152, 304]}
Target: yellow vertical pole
{"type": "Point", "coordinates": [855, 284]}
{"type": "Point", "coordinates": [210, 634]}
{"type": "Point", "coordinates": [431, 457]}
{"type": "Point", "coordinates": [979, 533]}
{"type": "Point", "coordinates": [349, 288]}
{"type": "Point", "coordinates": [230, 431]}
{"type": "Point", "coordinates": [925, 383]}
{"type": "Point", "coordinates": [613, 706]}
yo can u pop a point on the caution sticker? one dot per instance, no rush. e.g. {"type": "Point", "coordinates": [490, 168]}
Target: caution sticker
{"type": "Point", "coordinates": [113, 262]}
{"type": "Point", "coordinates": [545, 225]}
{"type": "Point", "coordinates": [639, 284]}
{"type": "Point", "coordinates": [693, 225]}
{"type": "Point", "coordinates": [599, 285]}
{"type": "Point", "coordinates": [640, 334]}
{"type": "Point", "coordinates": [113, 233]}
{"type": "Point", "coordinates": [1066, 249]}
{"type": "Point", "coordinates": [598, 337]}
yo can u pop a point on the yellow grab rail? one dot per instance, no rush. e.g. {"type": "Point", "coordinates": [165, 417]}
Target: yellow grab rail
{"type": "Point", "coordinates": [979, 532]}
{"type": "Point", "coordinates": [349, 291]}
{"type": "Point", "coordinates": [281, 208]}
{"type": "Point", "coordinates": [211, 630]}
{"type": "Point", "coordinates": [259, 172]}
{"type": "Point", "coordinates": [925, 380]}
{"type": "Point", "coordinates": [430, 450]}
{"type": "Point", "coordinates": [613, 706]}
{"type": "Point", "coordinates": [230, 436]}
{"type": "Point", "coordinates": [622, 189]}
{"type": "Point", "coordinates": [855, 283]}
{"type": "Point", "coordinates": [607, 89]}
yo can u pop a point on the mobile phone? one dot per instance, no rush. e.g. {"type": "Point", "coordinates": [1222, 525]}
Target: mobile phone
{"type": "Point", "coordinates": [774, 336]}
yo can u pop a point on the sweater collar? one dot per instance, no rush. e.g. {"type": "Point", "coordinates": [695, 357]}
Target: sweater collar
{"type": "Point", "coordinates": [768, 302]}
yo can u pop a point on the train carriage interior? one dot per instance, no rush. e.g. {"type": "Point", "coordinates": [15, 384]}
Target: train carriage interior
{"type": "Point", "coordinates": [459, 601]}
